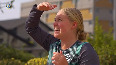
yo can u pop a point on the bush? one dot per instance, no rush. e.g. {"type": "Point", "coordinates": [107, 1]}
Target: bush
{"type": "Point", "coordinates": [37, 61]}
{"type": "Point", "coordinates": [104, 45]}
{"type": "Point", "coordinates": [8, 53]}
{"type": "Point", "coordinates": [11, 61]}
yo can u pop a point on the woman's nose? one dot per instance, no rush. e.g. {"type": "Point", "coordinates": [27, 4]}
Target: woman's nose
{"type": "Point", "coordinates": [55, 23]}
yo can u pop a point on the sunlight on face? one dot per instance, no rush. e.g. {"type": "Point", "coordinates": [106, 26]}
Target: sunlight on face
{"type": "Point", "coordinates": [62, 25]}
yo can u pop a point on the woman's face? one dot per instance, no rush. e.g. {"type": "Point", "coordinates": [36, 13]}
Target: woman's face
{"type": "Point", "coordinates": [62, 25]}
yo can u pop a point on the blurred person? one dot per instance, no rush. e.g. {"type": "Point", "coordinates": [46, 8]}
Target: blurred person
{"type": "Point", "coordinates": [66, 46]}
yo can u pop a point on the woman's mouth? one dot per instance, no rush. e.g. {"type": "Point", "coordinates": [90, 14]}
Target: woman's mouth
{"type": "Point", "coordinates": [56, 30]}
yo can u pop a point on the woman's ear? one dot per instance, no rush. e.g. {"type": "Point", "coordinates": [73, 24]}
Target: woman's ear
{"type": "Point", "coordinates": [74, 25]}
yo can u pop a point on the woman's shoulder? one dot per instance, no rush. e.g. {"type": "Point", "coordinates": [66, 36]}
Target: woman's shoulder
{"type": "Point", "coordinates": [88, 54]}
{"type": "Point", "coordinates": [87, 46]}
{"type": "Point", "coordinates": [88, 49]}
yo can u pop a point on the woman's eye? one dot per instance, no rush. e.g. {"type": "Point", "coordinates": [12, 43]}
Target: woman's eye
{"type": "Point", "coordinates": [59, 19]}
{"type": "Point", "coordinates": [54, 19]}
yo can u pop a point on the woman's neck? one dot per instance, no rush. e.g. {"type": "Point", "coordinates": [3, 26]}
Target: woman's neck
{"type": "Point", "coordinates": [68, 42]}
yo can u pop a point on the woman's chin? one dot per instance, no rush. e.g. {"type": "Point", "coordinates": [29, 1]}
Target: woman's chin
{"type": "Point", "coordinates": [56, 35]}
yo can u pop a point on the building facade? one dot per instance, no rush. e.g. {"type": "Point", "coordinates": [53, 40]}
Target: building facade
{"type": "Point", "coordinates": [90, 9]}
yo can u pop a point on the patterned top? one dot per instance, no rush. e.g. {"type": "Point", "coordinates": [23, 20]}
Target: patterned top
{"type": "Point", "coordinates": [71, 53]}
{"type": "Point", "coordinates": [86, 56]}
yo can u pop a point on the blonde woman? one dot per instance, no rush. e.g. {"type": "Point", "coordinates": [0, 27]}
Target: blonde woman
{"type": "Point", "coordinates": [66, 46]}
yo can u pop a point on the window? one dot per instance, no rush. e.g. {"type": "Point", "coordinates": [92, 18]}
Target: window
{"type": "Point", "coordinates": [111, 1]}
{"type": "Point", "coordinates": [90, 10]}
{"type": "Point", "coordinates": [75, 2]}
{"type": "Point", "coordinates": [96, 0]}
{"type": "Point", "coordinates": [90, 22]}
{"type": "Point", "coordinates": [97, 9]}
{"type": "Point", "coordinates": [111, 23]}
{"type": "Point", "coordinates": [110, 11]}
{"type": "Point", "coordinates": [46, 15]}
{"type": "Point", "coordinates": [60, 3]}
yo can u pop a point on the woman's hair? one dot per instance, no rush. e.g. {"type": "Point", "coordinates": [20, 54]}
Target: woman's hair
{"type": "Point", "coordinates": [75, 15]}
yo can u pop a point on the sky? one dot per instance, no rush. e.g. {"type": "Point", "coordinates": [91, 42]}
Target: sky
{"type": "Point", "coordinates": [13, 13]}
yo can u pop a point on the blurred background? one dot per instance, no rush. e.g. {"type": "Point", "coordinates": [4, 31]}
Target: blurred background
{"type": "Point", "coordinates": [13, 34]}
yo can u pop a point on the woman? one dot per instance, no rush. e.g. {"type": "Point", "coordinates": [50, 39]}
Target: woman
{"type": "Point", "coordinates": [66, 46]}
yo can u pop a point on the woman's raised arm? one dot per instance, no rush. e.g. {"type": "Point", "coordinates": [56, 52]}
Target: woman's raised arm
{"type": "Point", "coordinates": [33, 29]}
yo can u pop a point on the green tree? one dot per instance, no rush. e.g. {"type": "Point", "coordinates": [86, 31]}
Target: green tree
{"type": "Point", "coordinates": [7, 52]}
{"type": "Point", "coordinates": [104, 44]}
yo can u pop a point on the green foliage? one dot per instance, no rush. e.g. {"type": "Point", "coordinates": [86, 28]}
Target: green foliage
{"type": "Point", "coordinates": [104, 45]}
{"type": "Point", "coordinates": [11, 61]}
{"type": "Point", "coordinates": [37, 61]}
{"type": "Point", "coordinates": [8, 53]}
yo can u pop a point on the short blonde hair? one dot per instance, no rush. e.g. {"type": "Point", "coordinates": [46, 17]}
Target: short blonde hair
{"type": "Point", "coordinates": [75, 15]}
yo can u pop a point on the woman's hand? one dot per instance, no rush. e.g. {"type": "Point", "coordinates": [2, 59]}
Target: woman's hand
{"type": "Point", "coordinates": [45, 6]}
{"type": "Point", "coordinates": [59, 59]}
